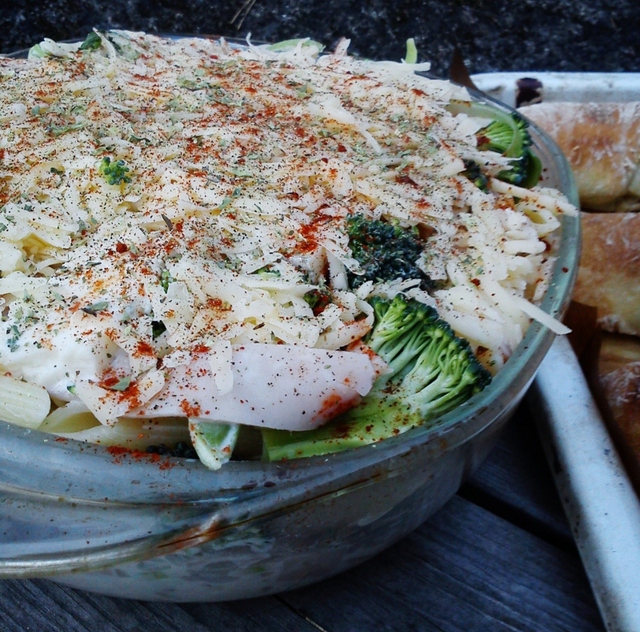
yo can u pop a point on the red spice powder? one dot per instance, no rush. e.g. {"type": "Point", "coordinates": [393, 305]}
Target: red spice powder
{"type": "Point", "coordinates": [334, 405]}
{"type": "Point", "coordinates": [120, 455]}
{"type": "Point", "coordinates": [404, 179]}
{"type": "Point", "coordinates": [190, 410]}
{"type": "Point", "coordinates": [309, 232]}
{"type": "Point", "coordinates": [130, 395]}
{"type": "Point", "coordinates": [216, 303]}
{"type": "Point", "coordinates": [143, 348]}
{"type": "Point", "coordinates": [109, 379]}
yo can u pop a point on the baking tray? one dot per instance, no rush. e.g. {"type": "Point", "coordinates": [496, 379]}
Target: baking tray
{"type": "Point", "coordinates": [601, 504]}
{"type": "Point", "coordinates": [599, 499]}
{"type": "Point", "coordinates": [517, 88]}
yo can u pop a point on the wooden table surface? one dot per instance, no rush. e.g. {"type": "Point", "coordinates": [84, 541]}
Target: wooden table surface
{"type": "Point", "coordinates": [498, 557]}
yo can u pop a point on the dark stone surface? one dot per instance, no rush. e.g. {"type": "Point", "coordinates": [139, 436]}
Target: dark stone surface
{"type": "Point", "coordinates": [567, 35]}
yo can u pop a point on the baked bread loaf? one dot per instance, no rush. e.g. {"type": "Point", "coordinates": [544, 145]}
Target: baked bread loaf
{"type": "Point", "coordinates": [619, 386]}
{"type": "Point", "coordinates": [609, 274]}
{"type": "Point", "coordinates": [602, 144]}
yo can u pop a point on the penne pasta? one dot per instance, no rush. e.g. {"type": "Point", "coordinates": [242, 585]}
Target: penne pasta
{"type": "Point", "coordinates": [23, 403]}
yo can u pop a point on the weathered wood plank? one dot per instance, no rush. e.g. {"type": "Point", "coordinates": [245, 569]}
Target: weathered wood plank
{"type": "Point", "coordinates": [44, 606]}
{"type": "Point", "coordinates": [47, 607]}
{"type": "Point", "coordinates": [515, 483]}
{"type": "Point", "coordinates": [266, 614]}
{"type": "Point", "coordinates": [466, 569]}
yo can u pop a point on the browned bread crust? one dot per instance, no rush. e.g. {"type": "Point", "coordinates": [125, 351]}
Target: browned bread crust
{"type": "Point", "coordinates": [619, 386]}
{"type": "Point", "coordinates": [602, 144]}
{"type": "Point", "coordinates": [609, 274]}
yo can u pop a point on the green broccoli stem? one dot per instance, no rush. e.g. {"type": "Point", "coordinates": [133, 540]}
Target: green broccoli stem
{"type": "Point", "coordinates": [336, 436]}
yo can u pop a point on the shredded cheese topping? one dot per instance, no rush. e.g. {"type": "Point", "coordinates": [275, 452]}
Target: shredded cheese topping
{"type": "Point", "coordinates": [164, 199]}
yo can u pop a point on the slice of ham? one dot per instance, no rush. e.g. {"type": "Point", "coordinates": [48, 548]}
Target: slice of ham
{"type": "Point", "coordinates": [274, 386]}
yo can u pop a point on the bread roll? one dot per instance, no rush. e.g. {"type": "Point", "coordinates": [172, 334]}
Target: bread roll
{"type": "Point", "coordinates": [609, 273]}
{"type": "Point", "coordinates": [618, 352]}
{"type": "Point", "coordinates": [602, 144]}
{"type": "Point", "coordinates": [619, 382]}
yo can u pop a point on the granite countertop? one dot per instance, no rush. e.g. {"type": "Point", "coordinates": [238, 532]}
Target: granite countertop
{"type": "Point", "coordinates": [560, 35]}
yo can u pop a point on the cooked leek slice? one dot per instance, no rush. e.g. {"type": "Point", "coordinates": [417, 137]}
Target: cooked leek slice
{"type": "Point", "coordinates": [213, 441]}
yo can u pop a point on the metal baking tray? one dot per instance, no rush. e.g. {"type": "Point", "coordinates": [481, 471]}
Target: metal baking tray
{"type": "Point", "coordinates": [513, 88]}
{"type": "Point", "coordinates": [599, 499]}
{"type": "Point", "coordinates": [601, 504]}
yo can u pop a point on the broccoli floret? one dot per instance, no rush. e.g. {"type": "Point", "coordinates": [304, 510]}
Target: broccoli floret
{"type": "Point", "coordinates": [385, 251]}
{"type": "Point", "coordinates": [473, 172]}
{"type": "Point", "coordinates": [508, 135]}
{"type": "Point", "coordinates": [114, 172]}
{"type": "Point", "coordinates": [432, 371]}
